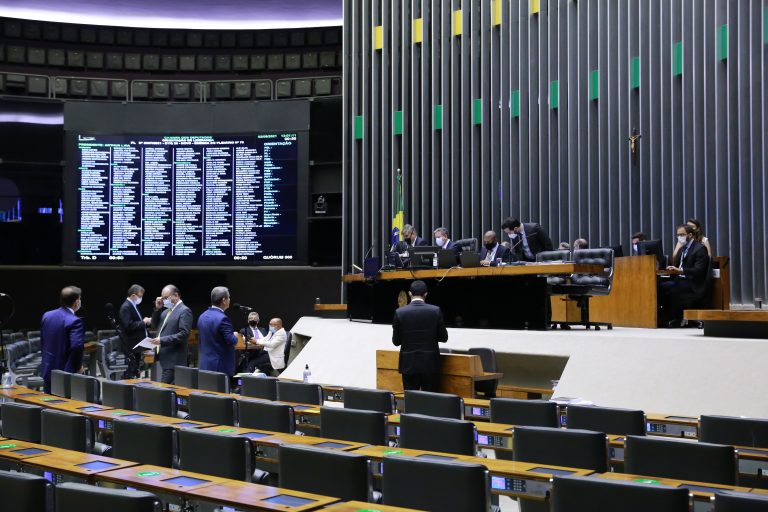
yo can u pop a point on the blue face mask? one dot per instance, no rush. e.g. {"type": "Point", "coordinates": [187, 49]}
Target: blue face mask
{"type": "Point", "coordinates": [272, 330]}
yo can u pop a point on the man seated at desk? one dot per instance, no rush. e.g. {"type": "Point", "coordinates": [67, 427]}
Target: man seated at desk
{"type": "Point", "coordinates": [526, 240]}
{"type": "Point", "coordinates": [410, 239]}
{"type": "Point", "coordinates": [492, 251]}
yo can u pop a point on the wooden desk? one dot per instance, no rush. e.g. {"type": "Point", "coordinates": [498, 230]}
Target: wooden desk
{"type": "Point", "coordinates": [77, 464]}
{"type": "Point", "coordinates": [105, 419]}
{"type": "Point", "coordinates": [699, 490]}
{"type": "Point", "coordinates": [60, 404]}
{"type": "Point", "coordinates": [156, 478]}
{"type": "Point", "coordinates": [459, 373]}
{"type": "Point", "coordinates": [255, 497]}
{"type": "Point", "coordinates": [494, 436]}
{"type": "Point", "coordinates": [731, 323]}
{"type": "Point", "coordinates": [13, 391]}
{"type": "Point", "coordinates": [14, 450]}
{"type": "Point", "coordinates": [360, 506]}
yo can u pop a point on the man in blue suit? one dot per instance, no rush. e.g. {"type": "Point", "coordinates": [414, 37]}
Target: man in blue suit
{"type": "Point", "coordinates": [216, 335]}
{"type": "Point", "coordinates": [62, 336]}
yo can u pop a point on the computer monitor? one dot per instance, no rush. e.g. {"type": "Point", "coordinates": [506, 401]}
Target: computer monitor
{"type": "Point", "coordinates": [422, 257]}
{"type": "Point", "coordinates": [618, 251]}
{"type": "Point", "coordinates": [393, 261]}
{"type": "Point", "coordinates": [653, 247]}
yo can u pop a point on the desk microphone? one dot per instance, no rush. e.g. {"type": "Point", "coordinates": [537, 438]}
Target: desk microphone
{"type": "Point", "coordinates": [241, 307]}
{"type": "Point", "coordinates": [512, 247]}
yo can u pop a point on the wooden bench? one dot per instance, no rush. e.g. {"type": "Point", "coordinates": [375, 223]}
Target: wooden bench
{"type": "Point", "coordinates": [731, 323]}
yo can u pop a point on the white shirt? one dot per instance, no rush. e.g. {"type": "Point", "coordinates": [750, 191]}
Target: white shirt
{"type": "Point", "coordinates": [274, 344]}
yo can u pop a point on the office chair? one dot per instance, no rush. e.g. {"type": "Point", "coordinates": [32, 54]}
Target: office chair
{"type": "Point", "coordinates": [144, 443]}
{"type": "Point", "coordinates": [219, 410]}
{"type": "Point", "coordinates": [300, 392]}
{"type": "Point", "coordinates": [21, 421]}
{"type": "Point", "coordinates": [215, 454]}
{"type": "Point", "coordinates": [735, 431]}
{"type": "Point", "coordinates": [213, 381]}
{"type": "Point", "coordinates": [259, 387]}
{"type": "Point", "coordinates": [441, 405]}
{"type": "Point", "coordinates": [577, 494]}
{"type": "Point", "coordinates": [85, 388]}
{"type": "Point", "coordinates": [530, 413]}
{"type": "Point", "coordinates": [368, 427]}
{"type": "Point", "coordinates": [287, 350]}
{"type": "Point", "coordinates": [67, 431]}
{"type": "Point", "coordinates": [305, 469]}
{"type": "Point", "coordinates": [682, 460]}
{"type": "Point", "coordinates": [154, 400]}
{"type": "Point", "coordinates": [486, 388]}
{"type": "Point", "coordinates": [551, 256]}
{"type": "Point", "coordinates": [730, 501]}
{"type": "Point", "coordinates": [22, 491]}
{"type": "Point", "coordinates": [61, 384]}
{"type": "Point", "coordinates": [369, 400]}
{"type": "Point", "coordinates": [117, 394]}
{"type": "Point", "coordinates": [271, 416]}
{"type": "Point", "coordinates": [570, 448]}
{"type": "Point", "coordinates": [467, 244]}
{"type": "Point", "coordinates": [624, 422]}
{"type": "Point", "coordinates": [584, 286]}
{"type": "Point", "coordinates": [185, 376]}
{"type": "Point", "coordinates": [448, 435]}
{"type": "Point", "coordinates": [426, 484]}
{"type": "Point", "coordinates": [89, 498]}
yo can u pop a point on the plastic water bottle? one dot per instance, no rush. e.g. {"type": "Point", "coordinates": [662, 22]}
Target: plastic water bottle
{"type": "Point", "coordinates": [307, 374]}
{"type": "Point", "coordinates": [7, 379]}
{"type": "Point", "coordinates": [434, 261]}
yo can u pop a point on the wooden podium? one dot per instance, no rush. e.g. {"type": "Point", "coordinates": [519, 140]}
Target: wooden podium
{"type": "Point", "coordinates": [459, 372]}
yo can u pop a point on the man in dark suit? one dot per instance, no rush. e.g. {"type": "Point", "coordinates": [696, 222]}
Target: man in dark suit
{"type": "Point", "coordinates": [133, 329]}
{"type": "Point", "coordinates": [526, 240]}
{"type": "Point", "coordinates": [636, 239]}
{"type": "Point", "coordinates": [252, 333]}
{"type": "Point", "coordinates": [173, 321]}
{"type": "Point", "coordinates": [216, 335]}
{"type": "Point", "coordinates": [690, 280]}
{"type": "Point", "coordinates": [417, 329]}
{"type": "Point", "coordinates": [410, 239]}
{"type": "Point", "coordinates": [62, 336]}
{"type": "Point", "coordinates": [492, 250]}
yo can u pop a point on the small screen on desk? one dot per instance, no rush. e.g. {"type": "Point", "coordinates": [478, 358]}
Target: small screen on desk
{"type": "Point", "coordinates": [253, 435]}
{"type": "Point", "coordinates": [102, 424]}
{"type": "Point", "coordinates": [30, 451]}
{"type": "Point", "coordinates": [288, 501]}
{"type": "Point", "coordinates": [97, 465]}
{"type": "Point", "coordinates": [481, 439]}
{"type": "Point", "coordinates": [132, 416]}
{"type": "Point", "coordinates": [28, 394]}
{"type": "Point", "coordinates": [477, 411]}
{"type": "Point", "coordinates": [301, 407]}
{"type": "Point", "coordinates": [499, 483]}
{"type": "Point", "coordinates": [702, 488]}
{"type": "Point", "coordinates": [52, 401]}
{"type": "Point", "coordinates": [89, 408]}
{"type": "Point", "coordinates": [186, 424]}
{"type": "Point", "coordinates": [186, 481]}
{"type": "Point", "coordinates": [179, 401]}
{"type": "Point", "coordinates": [331, 444]}
{"type": "Point", "coordinates": [429, 456]}
{"type": "Point", "coordinates": [552, 471]}
{"type": "Point", "coordinates": [679, 418]}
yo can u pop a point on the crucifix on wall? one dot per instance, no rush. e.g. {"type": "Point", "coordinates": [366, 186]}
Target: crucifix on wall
{"type": "Point", "coordinates": [634, 144]}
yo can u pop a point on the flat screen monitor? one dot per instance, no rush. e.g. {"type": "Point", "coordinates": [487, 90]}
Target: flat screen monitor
{"type": "Point", "coordinates": [422, 256]}
{"type": "Point", "coordinates": [653, 247]}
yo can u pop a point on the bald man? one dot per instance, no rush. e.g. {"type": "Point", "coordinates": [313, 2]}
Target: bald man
{"type": "Point", "coordinates": [273, 356]}
{"type": "Point", "coordinates": [492, 250]}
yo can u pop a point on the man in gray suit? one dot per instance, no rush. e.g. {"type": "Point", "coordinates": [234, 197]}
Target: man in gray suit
{"type": "Point", "coordinates": [173, 321]}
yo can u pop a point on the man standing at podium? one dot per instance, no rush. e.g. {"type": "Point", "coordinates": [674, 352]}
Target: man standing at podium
{"type": "Point", "coordinates": [416, 329]}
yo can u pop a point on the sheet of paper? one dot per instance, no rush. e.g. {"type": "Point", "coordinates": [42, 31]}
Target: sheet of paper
{"type": "Point", "coordinates": [145, 343]}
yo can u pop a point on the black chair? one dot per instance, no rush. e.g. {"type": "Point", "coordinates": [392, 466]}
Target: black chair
{"type": "Point", "coordinates": [425, 484]}
{"type": "Point", "coordinates": [213, 381]}
{"type": "Point", "coordinates": [577, 494]}
{"type": "Point", "coordinates": [85, 388]}
{"type": "Point", "coordinates": [466, 244]}
{"type": "Point", "coordinates": [259, 387]}
{"type": "Point", "coordinates": [735, 431]}
{"type": "Point", "coordinates": [154, 400]}
{"type": "Point", "coordinates": [61, 383]}
{"type": "Point", "coordinates": [117, 394]}
{"type": "Point", "coordinates": [89, 498]}
{"type": "Point", "coordinates": [730, 501]}
{"type": "Point", "coordinates": [369, 400]}
{"type": "Point", "coordinates": [584, 286]}
{"type": "Point", "coordinates": [441, 405]}
{"type": "Point", "coordinates": [144, 443]}
{"type": "Point", "coordinates": [271, 416]}
{"type": "Point", "coordinates": [67, 431]}
{"type": "Point", "coordinates": [530, 413]}
{"type": "Point", "coordinates": [368, 427]}
{"type": "Point", "coordinates": [682, 460]}
{"type": "Point", "coordinates": [486, 388]}
{"type": "Point", "coordinates": [286, 350]}
{"type": "Point", "coordinates": [624, 422]}
{"type": "Point", "coordinates": [21, 421]}
{"type": "Point", "coordinates": [551, 256]}
{"type": "Point", "coordinates": [25, 492]}
{"type": "Point", "coordinates": [306, 469]}
{"type": "Point", "coordinates": [570, 448]}
{"type": "Point", "coordinates": [448, 435]}
{"type": "Point", "coordinates": [300, 392]}
{"type": "Point", "coordinates": [219, 410]}
{"type": "Point", "coordinates": [215, 454]}
{"type": "Point", "coordinates": [185, 376]}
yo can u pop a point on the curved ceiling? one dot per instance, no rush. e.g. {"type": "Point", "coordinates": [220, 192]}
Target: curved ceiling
{"type": "Point", "coordinates": [181, 14]}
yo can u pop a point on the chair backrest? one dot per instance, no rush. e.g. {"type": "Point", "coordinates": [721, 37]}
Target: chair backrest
{"type": "Point", "coordinates": [571, 448]}
{"type": "Point", "coordinates": [144, 443]}
{"type": "Point", "coordinates": [89, 498]}
{"type": "Point", "coordinates": [61, 384]}
{"type": "Point", "coordinates": [426, 484]}
{"type": "Point", "coordinates": [300, 392]}
{"type": "Point", "coordinates": [735, 431]}
{"type": "Point", "coordinates": [117, 394]}
{"type": "Point", "coordinates": [67, 431]}
{"type": "Point", "coordinates": [259, 387]}
{"type": "Point", "coordinates": [22, 491]}
{"type": "Point", "coordinates": [369, 400]}
{"type": "Point", "coordinates": [287, 349]}
{"type": "Point", "coordinates": [625, 422]}
{"type": "Point", "coordinates": [488, 360]}
{"type": "Point", "coordinates": [448, 435]}
{"type": "Point", "coordinates": [440, 405]}
{"type": "Point", "coordinates": [306, 469]}
{"type": "Point", "coordinates": [213, 381]}
{"type": "Point", "coordinates": [21, 421]}
{"type": "Point", "coordinates": [272, 416]}
{"type": "Point", "coordinates": [562, 255]}
{"type": "Point", "coordinates": [85, 388]}
{"type": "Point", "coordinates": [683, 460]}
{"type": "Point", "coordinates": [155, 400]}
{"type": "Point", "coordinates": [531, 413]}
{"type": "Point", "coordinates": [730, 501]}
{"type": "Point", "coordinates": [185, 376]}
{"type": "Point", "coordinates": [215, 454]}
{"type": "Point", "coordinates": [466, 244]}
{"type": "Point", "coordinates": [577, 494]}
{"type": "Point", "coordinates": [602, 257]}
{"type": "Point", "coordinates": [368, 427]}
{"type": "Point", "coordinates": [219, 410]}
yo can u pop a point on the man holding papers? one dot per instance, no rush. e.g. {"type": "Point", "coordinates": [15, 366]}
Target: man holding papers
{"type": "Point", "coordinates": [173, 321]}
{"type": "Point", "coordinates": [133, 328]}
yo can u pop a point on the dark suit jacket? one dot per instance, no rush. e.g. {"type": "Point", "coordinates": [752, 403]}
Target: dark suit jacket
{"type": "Point", "coordinates": [217, 342]}
{"type": "Point", "coordinates": [62, 336]}
{"type": "Point", "coordinates": [132, 328]}
{"type": "Point", "coordinates": [403, 246]}
{"type": "Point", "coordinates": [502, 252]}
{"type": "Point", "coordinates": [416, 329]}
{"type": "Point", "coordinates": [696, 267]}
{"type": "Point", "coordinates": [538, 241]}
{"type": "Point", "coordinates": [174, 335]}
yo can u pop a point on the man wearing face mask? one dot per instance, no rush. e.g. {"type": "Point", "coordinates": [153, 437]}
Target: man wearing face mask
{"type": "Point", "coordinates": [526, 240]}
{"type": "Point", "coordinates": [690, 279]}
{"type": "Point", "coordinates": [636, 239]}
{"type": "Point", "coordinates": [252, 333]}
{"type": "Point", "coordinates": [273, 357]}
{"type": "Point", "coordinates": [62, 336]}
{"type": "Point", "coordinates": [173, 321]}
{"type": "Point", "coordinates": [492, 250]}
{"type": "Point", "coordinates": [133, 328]}
{"type": "Point", "coordinates": [410, 239]}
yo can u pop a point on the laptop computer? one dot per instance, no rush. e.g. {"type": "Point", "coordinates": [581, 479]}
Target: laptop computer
{"type": "Point", "coordinates": [469, 259]}
{"type": "Point", "coordinates": [394, 261]}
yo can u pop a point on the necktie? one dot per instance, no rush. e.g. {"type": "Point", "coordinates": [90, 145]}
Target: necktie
{"type": "Point", "coordinates": [162, 326]}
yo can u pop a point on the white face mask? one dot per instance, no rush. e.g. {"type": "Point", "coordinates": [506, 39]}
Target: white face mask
{"type": "Point", "coordinates": [272, 330]}
{"type": "Point", "coordinates": [512, 235]}
{"type": "Point", "coordinates": [167, 303]}
{"type": "Point", "coordinates": [138, 300]}
{"type": "Point", "coordinates": [440, 242]}
{"type": "Point", "coordinates": [634, 247]}
{"type": "Point", "coordinates": [682, 240]}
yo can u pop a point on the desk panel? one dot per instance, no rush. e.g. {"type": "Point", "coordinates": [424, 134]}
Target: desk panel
{"type": "Point", "coordinates": [254, 497]}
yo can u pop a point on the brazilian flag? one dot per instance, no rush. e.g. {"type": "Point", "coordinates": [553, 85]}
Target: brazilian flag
{"type": "Point", "coordinates": [397, 220]}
